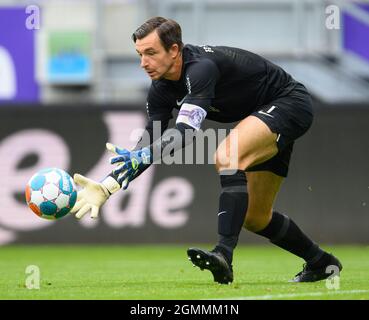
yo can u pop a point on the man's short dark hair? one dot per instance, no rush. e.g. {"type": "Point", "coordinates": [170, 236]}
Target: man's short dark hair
{"type": "Point", "coordinates": [169, 31]}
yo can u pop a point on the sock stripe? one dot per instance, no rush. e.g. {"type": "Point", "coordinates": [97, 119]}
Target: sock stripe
{"type": "Point", "coordinates": [230, 172]}
{"type": "Point", "coordinates": [282, 232]}
{"type": "Point", "coordinates": [316, 257]}
{"type": "Point", "coordinates": [241, 189]}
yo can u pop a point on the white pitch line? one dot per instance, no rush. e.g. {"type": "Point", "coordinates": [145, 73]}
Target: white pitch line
{"type": "Point", "coordinates": [295, 295]}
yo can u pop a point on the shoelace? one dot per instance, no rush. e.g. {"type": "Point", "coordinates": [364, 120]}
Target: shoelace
{"type": "Point", "coordinates": [305, 267]}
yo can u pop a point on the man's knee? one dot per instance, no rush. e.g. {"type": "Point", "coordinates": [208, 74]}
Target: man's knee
{"type": "Point", "coordinates": [226, 159]}
{"type": "Point", "coordinates": [256, 222]}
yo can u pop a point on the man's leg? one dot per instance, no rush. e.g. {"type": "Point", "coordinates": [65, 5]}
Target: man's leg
{"type": "Point", "coordinates": [280, 229]}
{"type": "Point", "coordinates": [255, 143]}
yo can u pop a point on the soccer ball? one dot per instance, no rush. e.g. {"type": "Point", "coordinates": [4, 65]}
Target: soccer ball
{"type": "Point", "coordinates": [51, 193]}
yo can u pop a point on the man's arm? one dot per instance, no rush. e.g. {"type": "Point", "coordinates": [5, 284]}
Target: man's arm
{"type": "Point", "coordinates": [201, 79]}
{"type": "Point", "coordinates": [94, 194]}
{"type": "Point", "coordinates": [131, 164]}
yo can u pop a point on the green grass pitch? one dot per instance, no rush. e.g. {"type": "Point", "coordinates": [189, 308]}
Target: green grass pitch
{"type": "Point", "coordinates": [163, 272]}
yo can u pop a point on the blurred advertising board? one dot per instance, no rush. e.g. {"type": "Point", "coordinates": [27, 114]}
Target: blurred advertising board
{"type": "Point", "coordinates": [176, 203]}
{"type": "Point", "coordinates": [17, 57]}
{"type": "Point", "coordinates": [356, 32]}
{"type": "Point", "coordinates": [69, 57]}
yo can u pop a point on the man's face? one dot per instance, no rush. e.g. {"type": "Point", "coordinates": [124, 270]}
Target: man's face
{"type": "Point", "coordinates": [155, 60]}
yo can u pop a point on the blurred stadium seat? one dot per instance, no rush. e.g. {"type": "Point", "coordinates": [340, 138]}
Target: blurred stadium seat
{"type": "Point", "coordinates": [295, 34]}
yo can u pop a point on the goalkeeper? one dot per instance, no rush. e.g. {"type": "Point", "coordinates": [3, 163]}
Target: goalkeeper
{"type": "Point", "coordinates": [223, 84]}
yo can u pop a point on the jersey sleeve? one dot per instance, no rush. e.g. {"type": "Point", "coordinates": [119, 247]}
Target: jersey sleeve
{"type": "Point", "coordinates": [159, 112]}
{"type": "Point", "coordinates": [201, 79]}
{"type": "Point", "coordinates": [157, 106]}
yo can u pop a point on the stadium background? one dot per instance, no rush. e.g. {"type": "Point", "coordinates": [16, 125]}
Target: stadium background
{"type": "Point", "coordinates": [67, 64]}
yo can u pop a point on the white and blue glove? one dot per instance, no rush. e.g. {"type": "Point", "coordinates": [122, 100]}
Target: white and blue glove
{"type": "Point", "coordinates": [94, 194]}
{"type": "Point", "coordinates": [130, 164]}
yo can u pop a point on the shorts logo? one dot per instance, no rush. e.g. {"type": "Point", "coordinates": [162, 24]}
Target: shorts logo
{"type": "Point", "coordinates": [267, 113]}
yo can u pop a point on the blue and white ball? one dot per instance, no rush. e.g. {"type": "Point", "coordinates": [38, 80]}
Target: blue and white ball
{"type": "Point", "coordinates": [51, 193]}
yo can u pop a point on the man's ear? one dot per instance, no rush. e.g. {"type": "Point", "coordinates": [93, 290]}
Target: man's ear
{"type": "Point", "coordinates": [174, 50]}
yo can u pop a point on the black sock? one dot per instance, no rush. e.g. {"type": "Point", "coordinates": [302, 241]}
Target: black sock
{"type": "Point", "coordinates": [284, 233]}
{"type": "Point", "coordinates": [233, 202]}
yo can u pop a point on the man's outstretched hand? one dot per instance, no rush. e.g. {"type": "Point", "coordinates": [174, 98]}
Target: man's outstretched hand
{"type": "Point", "coordinates": [91, 197]}
{"type": "Point", "coordinates": [130, 164]}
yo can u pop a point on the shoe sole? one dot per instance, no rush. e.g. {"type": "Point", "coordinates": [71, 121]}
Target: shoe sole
{"type": "Point", "coordinates": [203, 260]}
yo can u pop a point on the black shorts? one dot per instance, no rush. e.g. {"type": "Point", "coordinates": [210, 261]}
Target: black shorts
{"type": "Point", "coordinates": [289, 117]}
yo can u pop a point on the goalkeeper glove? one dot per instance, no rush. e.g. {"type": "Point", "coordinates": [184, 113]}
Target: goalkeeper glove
{"type": "Point", "coordinates": [93, 195]}
{"type": "Point", "coordinates": [130, 164]}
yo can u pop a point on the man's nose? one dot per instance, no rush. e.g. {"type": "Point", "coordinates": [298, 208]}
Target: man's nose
{"type": "Point", "coordinates": [143, 62]}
